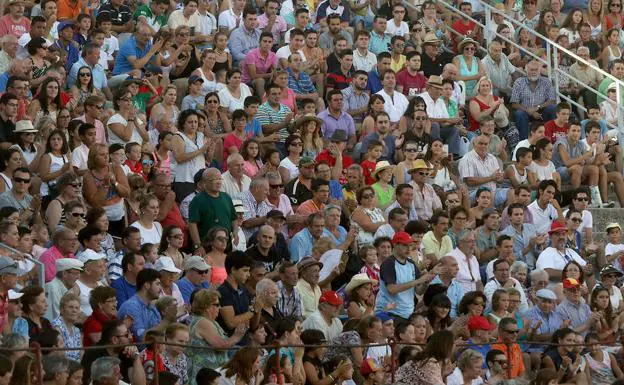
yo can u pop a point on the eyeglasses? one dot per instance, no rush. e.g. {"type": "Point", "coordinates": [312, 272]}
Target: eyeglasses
{"type": "Point", "coordinates": [469, 49]}
{"type": "Point", "coordinates": [583, 199]}
{"type": "Point", "coordinates": [84, 74]}
{"type": "Point", "coordinates": [423, 173]}
{"type": "Point", "coordinates": [76, 215]}
{"type": "Point", "coordinates": [514, 331]}
{"type": "Point", "coordinates": [502, 363]}
{"type": "Point", "coordinates": [616, 5]}
{"type": "Point", "coordinates": [21, 180]}
{"type": "Point", "coordinates": [576, 220]}
{"type": "Point", "coordinates": [200, 272]}
{"type": "Point", "coordinates": [212, 101]}
{"type": "Point", "coordinates": [276, 186]}
{"type": "Point", "coordinates": [99, 107]}
{"type": "Point", "coordinates": [147, 162]}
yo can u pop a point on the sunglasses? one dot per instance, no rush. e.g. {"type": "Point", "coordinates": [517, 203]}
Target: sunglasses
{"type": "Point", "coordinates": [423, 173]}
{"type": "Point", "coordinates": [76, 215]}
{"type": "Point", "coordinates": [200, 272]}
{"type": "Point", "coordinates": [582, 199]}
{"type": "Point", "coordinates": [147, 162]}
{"type": "Point", "coordinates": [469, 49]}
{"type": "Point", "coordinates": [276, 185]}
{"type": "Point", "coordinates": [212, 101]}
{"type": "Point", "coordinates": [515, 331]}
{"type": "Point", "coordinates": [411, 150]}
{"type": "Point", "coordinates": [576, 220]}
{"type": "Point", "coordinates": [84, 74]}
{"type": "Point", "coordinates": [502, 363]}
{"type": "Point", "coordinates": [21, 180]}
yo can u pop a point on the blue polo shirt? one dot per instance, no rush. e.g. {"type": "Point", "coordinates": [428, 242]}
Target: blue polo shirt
{"type": "Point", "coordinates": [72, 54]}
{"type": "Point", "coordinates": [187, 288]}
{"type": "Point", "coordinates": [127, 49]}
{"type": "Point", "coordinates": [301, 245]}
{"type": "Point", "coordinates": [144, 315]}
{"type": "Point", "coordinates": [124, 290]}
{"type": "Point", "coordinates": [379, 43]}
{"type": "Point", "coordinates": [374, 82]}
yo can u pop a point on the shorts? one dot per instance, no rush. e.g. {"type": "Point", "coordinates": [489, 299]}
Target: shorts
{"type": "Point", "coordinates": [500, 196]}
{"type": "Point", "coordinates": [565, 175]}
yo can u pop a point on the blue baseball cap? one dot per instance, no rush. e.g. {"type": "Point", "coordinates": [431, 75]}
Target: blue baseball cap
{"type": "Point", "coordinates": [64, 24]}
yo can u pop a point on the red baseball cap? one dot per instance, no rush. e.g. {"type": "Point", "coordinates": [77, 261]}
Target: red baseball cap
{"type": "Point", "coordinates": [479, 322]}
{"type": "Point", "coordinates": [557, 227]}
{"type": "Point", "coordinates": [369, 366]}
{"type": "Point", "coordinates": [571, 283]}
{"type": "Point", "coordinates": [331, 297]}
{"type": "Point", "coordinates": [402, 238]}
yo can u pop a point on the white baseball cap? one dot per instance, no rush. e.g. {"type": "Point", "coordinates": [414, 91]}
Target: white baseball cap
{"type": "Point", "coordinates": [166, 264]}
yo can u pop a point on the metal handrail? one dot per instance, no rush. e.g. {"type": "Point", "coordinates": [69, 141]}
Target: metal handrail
{"type": "Point", "coordinates": [38, 263]}
{"type": "Point", "coordinates": [550, 46]}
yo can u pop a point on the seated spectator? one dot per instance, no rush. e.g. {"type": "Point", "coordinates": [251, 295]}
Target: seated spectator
{"type": "Point", "coordinates": [64, 245]}
{"type": "Point", "coordinates": [103, 301]}
{"type": "Point", "coordinates": [545, 209]}
{"type": "Point", "coordinates": [326, 318]}
{"type": "Point", "coordinates": [35, 306]}
{"type": "Point", "coordinates": [307, 286]}
{"type": "Point", "coordinates": [558, 127]}
{"type": "Point", "coordinates": [131, 264]}
{"type": "Point", "coordinates": [499, 69]}
{"type": "Point", "coordinates": [554, 258]}
{"type": "Point", "coordinates": [536, 132]}
{"type": "Point", "coordinates": [536, 105]}
{"type": "Point", "coordinates": [138, 307]}
{"type": "Point", "coordinates": [67, 273]}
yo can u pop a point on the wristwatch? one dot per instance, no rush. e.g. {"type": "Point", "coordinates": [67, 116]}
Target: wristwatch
{"type": "Point", "coordinates": [196, 247]}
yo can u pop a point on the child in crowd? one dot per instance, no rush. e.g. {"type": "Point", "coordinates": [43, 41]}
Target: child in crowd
{"type": "Point", "coordinates": [82, 34]}
{"type": "Point", "coordinates": [195, 98]}
{"type": "Point", "coordinates": [253, 129]}
{"type": "Point", "coordinates": [374, 152]}
{"type": "Point", "coordinates": [308, 107]}
{"type": "Point", "coordinates": [133, 158]}
{"type": "Point", "coordinates": [150, 253]}
{"type": "Point", "coordinates": [518, 171]}
{"type": "Point", "coordinates": [614, 250]}
{"type": "Point", "coordinates": [111, 44]}
{"type": "Point", "coordinates": [147, 165]}
{"type": "Point", "coordinates": [87, 133]}
{"type": "Point", "coordinates": [368, 256]}
{"type": "Point", "coordinates": [594, 114]}
{"type": "Point", "coordinates": [40, 238]}
{"type": "Point", "coordinates": [152, 355]}
{"type": "Point", "coordinates": [118, 157]}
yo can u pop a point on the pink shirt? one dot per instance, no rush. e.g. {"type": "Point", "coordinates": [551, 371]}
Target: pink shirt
{"type": "Point", "coordinates": [228, 141]}
{"type": "Point", "coordinates": [100, 132]}
{"type": "Point", "coordinates": [9, 27]}
{"type": "Point", "coordinates": [263, 65]}
{"type": "Point", "coordinates": [49, 261]}
{"type": "Point", "coordinates": [278, 28]}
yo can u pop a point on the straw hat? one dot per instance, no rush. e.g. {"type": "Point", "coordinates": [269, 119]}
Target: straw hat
{"type": "Point", "coordinates": [308, 118]}
{"type": "Point", "coordinates": [380, 166]}
{"type": "Point", "coordinates": [420, 165]}
{"type": "Point", "coordinates": [357, 281]}
{"type": "Point", "coordinates": [466, 41]}
{"type": "Point", "coordinates": [431, 38]}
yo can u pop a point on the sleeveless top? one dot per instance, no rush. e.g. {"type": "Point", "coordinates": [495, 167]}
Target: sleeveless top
{"type": "Point", "coordinates": [613, 57]}
{"type": "Point", "coordinates": [364, 237]}
{"type": "Point", "coordinates": [184, 172]}
{"type": "Point", "coordinates": [190, 66]}
{"type": "Point", "coordinates": [7, 181]}
{"type": "Point", "coordinates": [56, 163]}
{"type": "Point", "coordinates": [38, 72]}
{"type": "Point", "coordinates": [464, 71]}
{"type": "Point", "coordinates": [384, 198]}
{"type": "Point", "coordinates": [209, 85]}
{"type": "Point", "coordinates": [113, 204]}
{"type": "Point", "coordinates": [601, 372]}
{"type": "Point", "coordinates": [522, 179]}
{"type": "Point", "coordinates": [204, 358]}
{"type": "Point", "coordinates": [474, 125]}
{"type": "Point", "coordinates": [63, 217]}
{"type": "Point", "coordinates": [220, 66]}
{"type": "Point", "coordinates": [443, 179]}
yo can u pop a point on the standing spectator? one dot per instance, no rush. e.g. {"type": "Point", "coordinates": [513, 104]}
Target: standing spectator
{"type": "Point", "coordinates": [400, 279]}
{"type": "Point", "coordinates": [144, 314]}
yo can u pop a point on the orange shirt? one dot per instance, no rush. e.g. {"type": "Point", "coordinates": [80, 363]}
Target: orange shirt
{"type": "Point", "coordinates": [515, 359]}
{"type": "Point", "coordinates": [65, 10]}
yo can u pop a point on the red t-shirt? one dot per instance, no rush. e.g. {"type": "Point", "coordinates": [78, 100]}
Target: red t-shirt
{"type": "Point", "coordinates": [462, 30]}
{"type": "Point", "coordinates": [326, 157]}
{"type": "Point", "coordinates": [412, 85]}
{"type": "Point", "coordinates": [228, 141]}
{"type": "Point", "coordinates": [10, 27]}
{"type": "Point", "coordinates": [554, 132]}
{"type": "Point", "coordinates": [369, 167]}
{"type": "Point", "coordinates": [93, 324]}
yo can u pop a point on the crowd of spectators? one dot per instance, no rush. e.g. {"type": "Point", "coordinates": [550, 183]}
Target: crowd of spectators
{"type": "Point", "coordinates": [387, 183]}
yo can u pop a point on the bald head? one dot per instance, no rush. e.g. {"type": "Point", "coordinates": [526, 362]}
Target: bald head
{"type": "Point", "coordinates": [450, 72]}
{"type": "Point", "coordinates": [266, 238]}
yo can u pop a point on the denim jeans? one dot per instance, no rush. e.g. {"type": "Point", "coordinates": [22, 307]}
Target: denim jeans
{"type": "Point", "coordinates": [523, 119]}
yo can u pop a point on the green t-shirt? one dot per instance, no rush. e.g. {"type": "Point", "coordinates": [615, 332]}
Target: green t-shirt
{"type": "Point", "coordinates": [155, 23]}
{"type": "Point", "coordinates": [209, 212]}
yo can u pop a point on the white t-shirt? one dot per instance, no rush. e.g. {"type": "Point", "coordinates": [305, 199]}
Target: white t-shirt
{"type": "Point", "coordinates": [230, 102]}
{"type": "Point", "coordinates": [291, 167]}
{"type": "Point", "coordinates": [550, 258]}
{"type": "Point", "coordinates": [284, 53]}
{"type": "Point", "coordinates": [152, 235]}
{"type": "Point", "coordinates": [588, 220]}
{"type": "Point", "coordinates": [610, 249]}
{"type": "Point", "coordinates": [79, 157]}
{"type": "Point", "coordinates": [113, 138]}
{"type": "Point", "coordinates": [543, 172]}
{"type": "Point", "coordinates": [394, 106]}
{"type": "Point", "coordinates": [111, 45]}
{"type": "Point", "coordinates": [401, 30]}
{"type": "Point", "coordinates": [227, 19]}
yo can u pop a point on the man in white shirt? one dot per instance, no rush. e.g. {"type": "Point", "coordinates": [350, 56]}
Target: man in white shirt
{"type": "Point", "coordinates": [545, 209]}
{"type": "Point", "coordinates": [297, 40]}
{"type": "Point", "coordinates": [503, 280]}
{"type": "Point", "coordinates": [536, 132]}
{"type": "Point", "coordinates": [325, 318]}
{"type": "Point", "coordinates": [235, 182]}
{"type": "Point", "coordinates": [363, 59]}
{"type": "Point", "coordinates": [468, 276]}
{"type": "Point", "coordinates": [395, 102]}
{"type": "Point", "coordinates": [438, 114]}
{"type": "Point", "coordinates": [397, 219]}
{"type": "Point", "coordinates": [554, 258]}
{"type": "Point", "coordinates": [232, 18]}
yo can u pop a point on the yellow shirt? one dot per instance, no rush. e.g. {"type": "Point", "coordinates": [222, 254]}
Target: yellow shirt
{"type": "Point", "coordinates": [432, 246]}
{"type": "Point", "coordinates": [309, 297]}
{"type": "Point", "coordinates": [398, 65]}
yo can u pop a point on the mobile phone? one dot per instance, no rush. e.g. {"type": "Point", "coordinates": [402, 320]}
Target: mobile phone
{"type": "Point", "coordinates": [192, 31]}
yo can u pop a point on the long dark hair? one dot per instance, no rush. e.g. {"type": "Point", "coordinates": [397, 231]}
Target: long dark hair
{"type": "Point", "coordinates": [409, 113]}
{"type": "Point", "coordinates": [609, 310]}
{"type": "Point", "coordinates": [538, 147]}
{"type": "Point", "coordinates": [90, 85]}
{"type": "Point", "coordinates": [64, 146]}
{"type": "Point", "coordinates": [164, 242]}
{"type": "Point", "coordinates": [565, 268]}
{"type": "Point", "coordinates": [43, 95]}
{"type": "Point", "coordinates": [429, 154]}
{"type": "Point", "coordinates": [439, 300]}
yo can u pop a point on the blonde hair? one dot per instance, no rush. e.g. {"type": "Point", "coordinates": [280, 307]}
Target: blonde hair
{"type": "Point", "coordinates": [203, 299]}
{"type": "Point", "coordinates": [323, 245]}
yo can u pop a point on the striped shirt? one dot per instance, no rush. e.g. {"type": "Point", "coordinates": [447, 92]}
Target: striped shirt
{"type": "Point", "coordinates": [267, 115]}
{"type": "Point", "coordinates": [301, 84]}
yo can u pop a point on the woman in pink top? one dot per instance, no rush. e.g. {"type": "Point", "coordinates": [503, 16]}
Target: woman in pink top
{"type": "Point", "coordinates": [163, 162]}
{"type": "Point", "coordinates": [215, 244]}
{"type": "Point", "coordinates": [288, 95]}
